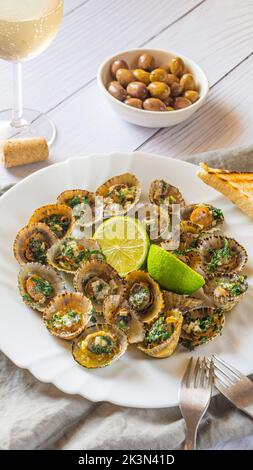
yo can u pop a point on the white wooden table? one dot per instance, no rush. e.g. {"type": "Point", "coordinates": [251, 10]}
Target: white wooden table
{"type": "Point", "coordinates": [218, 34]}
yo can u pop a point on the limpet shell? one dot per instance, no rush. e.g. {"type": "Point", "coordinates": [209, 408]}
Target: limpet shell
{"type": "Point", "coordinates": [83, 217]}
{"type": "Point", "coordinates": [214, 216]}
{"type": "Point", "coordinates": [50, 210]}
{"type": "Point", "coordinates": [64, 303]}
{"type": "Point", "coordinates": [86, 358]}
{"type": "Point", "coordinates": [117, 311]}
{"type": "Point", "coordinates": [219, 296]}
{"type": "Point", "coordinates": [167, 347]}
{"type": "Point", "coordinates": [89, 246]}
{"type": "Point", "coordinates": [113, 204]}
{"type": "Point", "coordinates": [160, 189]}
{"type": "Point", "coordinates": [96, 271]}
{"type": "Point", "coordinates": [155, 303]}
{"type": "Point", "coordinates": [37, 231]}
{"type": "Point", "coordinates": [182, 302]}
{"type": "Point", "coordinates": [208, 248]}
{"type": "Point", "coordinates": [191, 336]}
{"type": "Point", "coordinates": [156, 220]}
{"type": "Point", "coordinates": [46, 273]}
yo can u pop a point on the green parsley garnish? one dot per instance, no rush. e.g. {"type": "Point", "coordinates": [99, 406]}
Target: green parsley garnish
{"type": "Point", "coordinates": [204, 323]}
{"type": "Point", "coordinates": [157, 333]}
{"type": "Point", "coordinates": [27, 298]}
{"type": "Point", "coordinates": [122, 196]}
{"type": "Point", "coordinates": [139, 297]}
{"type": "Point", "coordinates": [57, 223]}
{"type": "Point", "coordinates": [222, 254]}
{"type": "Point", "coordinates": [217, 213]}
{"type": "Point", "coordinates": [42, 286]}
{"type": "Point", "coordinates": [122, 324]}
{"type": "Point", "coordinates": [74, 201]}
{"type": "Point", "coordinates": [106, 346]}
{"type": "Point", "coordinates": [185, 251]}
{"type": "Point", "coordinates": [38, 249]}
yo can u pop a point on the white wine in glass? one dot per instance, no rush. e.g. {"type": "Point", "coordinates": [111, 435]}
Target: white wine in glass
{"type": "Point", "coordinates": [27, 27]}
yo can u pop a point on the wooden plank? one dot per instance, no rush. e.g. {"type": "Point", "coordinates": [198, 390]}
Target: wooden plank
{"type": "Point", "coordinates": [221, 122]}
{"type": "Point", "coordinates": [71, 5]}
{"type": "Point", "coordinates": [94, 31]}
{"type": "Point", "coordinates": [224, 121]}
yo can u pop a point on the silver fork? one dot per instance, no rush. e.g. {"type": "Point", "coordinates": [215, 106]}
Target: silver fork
{"type": "Point", "coordinates": [235, 386]}
{"type": "Point", "coordinates": [194, 397]}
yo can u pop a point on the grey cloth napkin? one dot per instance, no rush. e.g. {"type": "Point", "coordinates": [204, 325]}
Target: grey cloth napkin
{"type": "Point", "coordinates": [34, 415]}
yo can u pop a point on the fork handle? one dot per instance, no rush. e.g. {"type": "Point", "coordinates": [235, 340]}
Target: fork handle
{"type": "Point", "coordinates": [190, 438]}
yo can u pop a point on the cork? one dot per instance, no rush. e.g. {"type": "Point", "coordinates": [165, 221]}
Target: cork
{"type": "Point", "coordinates": [23, 151]}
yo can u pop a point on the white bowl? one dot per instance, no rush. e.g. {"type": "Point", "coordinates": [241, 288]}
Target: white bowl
{"type": "Point", "coordinates": [142, 117]}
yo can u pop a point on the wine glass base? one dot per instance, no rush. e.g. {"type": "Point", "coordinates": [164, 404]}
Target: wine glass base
{"type": "Point", "coordinates": [33, 125]}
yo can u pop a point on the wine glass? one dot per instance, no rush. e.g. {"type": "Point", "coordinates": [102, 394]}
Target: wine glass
{"type": "Point", "coordinates": [27, 27]}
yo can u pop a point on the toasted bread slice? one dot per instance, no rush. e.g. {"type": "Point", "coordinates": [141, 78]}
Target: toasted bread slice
{"type": "Point", "coordinates": [236, 186]}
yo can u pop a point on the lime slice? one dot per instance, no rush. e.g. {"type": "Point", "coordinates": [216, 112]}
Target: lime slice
{"type": "Point", "coordinates": [124, 242]}
{"type": "Point", "coordinates": [171, 273]}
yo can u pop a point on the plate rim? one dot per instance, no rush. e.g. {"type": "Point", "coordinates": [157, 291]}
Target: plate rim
{"type": "Point", "coordinates": [46, 169]}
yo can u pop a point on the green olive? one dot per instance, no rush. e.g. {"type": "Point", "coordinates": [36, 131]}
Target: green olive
{"type": "Point", "coordinates": [134, 102]}
{"type": "Point", "coordinates": [159, 90]}
{"type": "Point", "coordinates": [158, 75]}
{"type": "Point", "coordinates": [154, 104]}
{"type": "Point", "coordinates": [124, 77]}
{"type": "Point", "coordinates": [181, 102]}
{"type": "Point", "coordinates": [177, 66]}
{"type": "Point", "coordinates": [141, 76]}
{"type": "Point", "coordinates": [116, 90]}
{"type": "Point", "coordinates": [191, 95]}
{"type": "Point", "coordinates": [170, 108]}
{"type": "Point", "coordinates": [171, 78]}
{"type": "Point", "coordinates": [137, 90]}
{"type": "Point", "coordinates": [176, 89]}
{"type": "Point", "coordinates": [146, 62]}
{"type": "Point", "coordinates": [116, 65]}
{"type": "Point", "coordinates": [187, 82]}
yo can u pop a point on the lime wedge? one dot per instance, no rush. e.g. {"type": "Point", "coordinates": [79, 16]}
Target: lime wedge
{"type": "Point", "coordinates": [124, 242]}
{"type": "Point", "coordinates": [171, 273]}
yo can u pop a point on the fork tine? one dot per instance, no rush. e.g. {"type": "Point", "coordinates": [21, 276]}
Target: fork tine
{"type": "Point", "coordinates": [225, 375]}
{"type": "Point", "coordinates": [186, 376]}
{"type": "Point", "coordinates": [202, 372]}
{"type": "Point", "coordinates": [228, 367]}
{"type": "Point", "coordinates": [195, 373]}
{"type": "Point", "coordinates": [217, 375]}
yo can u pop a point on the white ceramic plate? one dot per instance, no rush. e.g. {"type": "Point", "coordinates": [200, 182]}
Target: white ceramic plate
{"type": "Point", "coordinates": [135, 380]}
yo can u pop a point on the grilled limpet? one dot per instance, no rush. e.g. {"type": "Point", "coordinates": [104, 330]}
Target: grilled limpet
{"type": "Point", "coordinates": [161, 192]}
{"type": "Point", "coordinates": [162, 335]}
{"type": "Point", "coordinates": [144, 295]}
{"type": "Point", "coordinates": [58, 217]}
{"type": "Point", "coordinates": [119, 194]}
{"type": "Point", "coordinates": [226, 290]}
{"type": "Point", "coordinates": [32, 243]}
{"type": "Point", "coordinates": [69, 253]}
{"type": "Point", "coordinates": [201, 325]}
{"type": "Point", "coordinates": [67, 315]}
{"type": "Point", "coordinates": [38, 285]}
{"type": "Point", "coordinates": [97, 280]}
{"type": "Point", "coordinates": [206, 216]}
{"type": "Point", "coordinates": [221, 255]}
{"type": "Point", "coordinates": [119, 313]}
{"type": "Point", "coordinates": [99, 345]}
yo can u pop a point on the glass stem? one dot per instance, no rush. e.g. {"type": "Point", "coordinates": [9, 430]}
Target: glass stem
{"type": "Point", "coordinates": [17, 108]}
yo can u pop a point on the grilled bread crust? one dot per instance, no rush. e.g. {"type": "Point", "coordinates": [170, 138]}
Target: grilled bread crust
{"type": "Point", "coordinates": [236, 186]}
